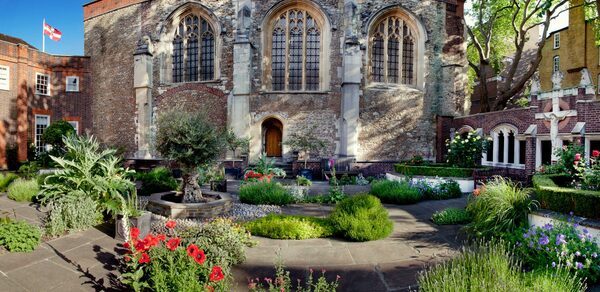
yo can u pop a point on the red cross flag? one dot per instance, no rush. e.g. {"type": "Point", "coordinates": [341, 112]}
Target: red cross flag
{"type": "Point", "coordinates": [53, 33]}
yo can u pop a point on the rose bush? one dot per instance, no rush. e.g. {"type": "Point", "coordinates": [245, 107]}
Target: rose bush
{"type": "Point", "coordinates": [161, 263]}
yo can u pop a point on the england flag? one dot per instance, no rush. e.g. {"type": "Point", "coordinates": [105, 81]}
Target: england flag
{"type": "Point", "coordinates": [53, 33]}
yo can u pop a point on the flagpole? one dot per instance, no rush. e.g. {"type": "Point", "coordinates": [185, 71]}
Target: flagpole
{"type": "Point", "coordinates": [43, 37]}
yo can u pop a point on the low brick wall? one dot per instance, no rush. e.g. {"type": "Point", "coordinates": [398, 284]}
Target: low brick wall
{"type": "Point", "coordinates": [366, 168]}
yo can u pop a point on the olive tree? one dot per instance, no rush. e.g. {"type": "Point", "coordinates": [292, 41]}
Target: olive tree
{"type": "Point", "coordinates": [191, 140]}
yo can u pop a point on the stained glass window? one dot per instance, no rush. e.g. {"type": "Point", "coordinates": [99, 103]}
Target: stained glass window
{"type": "Point", "coordinates": [295, 52]}
{"type": "Point", "coordinates": [193, 50]}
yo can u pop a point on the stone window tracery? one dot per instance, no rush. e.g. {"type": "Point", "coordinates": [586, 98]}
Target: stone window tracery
{"type": "Point", "coordinates": [295, 41]}
{"type": "Point", "coordinates": [193, 50]}
{"type": "Point", "coordinates": [392, 51]}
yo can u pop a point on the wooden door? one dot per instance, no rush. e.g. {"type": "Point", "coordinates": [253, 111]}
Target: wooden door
{"type": "Point", "coordinates": [273, 142]}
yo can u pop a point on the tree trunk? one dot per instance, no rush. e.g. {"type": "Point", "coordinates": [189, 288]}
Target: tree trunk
{"type": "Point", "coordinates": [484, 100]}
{"type": "Point", "coordinates": [191, 189]}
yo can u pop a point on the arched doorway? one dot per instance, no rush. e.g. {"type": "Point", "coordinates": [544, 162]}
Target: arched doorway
{"type": "Point", "coordinates": [272, 130]}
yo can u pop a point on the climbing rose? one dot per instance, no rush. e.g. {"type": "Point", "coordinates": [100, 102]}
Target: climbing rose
{"type": "Point", "coordinates": [595, 153]}
{"type": "Point", "coordinates": [144, 259]}
{"type": "Point", "coordinates": [173, 243]}
{"type": "Point", "coordinates": [171, 224]}
{"type": "Point", "coordinates": [577, 157]}
{"type": "Point", "coordinates": [216, 274]}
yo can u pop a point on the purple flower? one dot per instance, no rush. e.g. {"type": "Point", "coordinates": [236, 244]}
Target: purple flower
{"type": "Point", "coordinates": [569, 264]}
{"type": "Point", "coordinates": [578, 265]}
{"type": "Point", "coordinates": [575, 225]}
{"type": "Point", "coordinates": [544, 240]}
{"type": "Point", "coordinates": [571, 213]}
{"type": "Point", "coordinates": [594, 255]}
{"type": "Point", "coordinates": [585, 231]}
{"type": "Point", "coordinates": [548, 226]}
{"type": "Point", "coordinates": [560, 239]}
{"type": "Point", "coordinates": [577, 253]}
{"type": "Point", "coordinates": [553, 264]}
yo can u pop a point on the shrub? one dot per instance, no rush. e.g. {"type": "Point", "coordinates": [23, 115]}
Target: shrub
{"type": "Point", "coordinates": [491, 267]}
{"type": "Point", "coordinates": [223, 241]}
{"type": "Point", "coordinates": [440, 170]}
{"type": "Point", "coordinates": [553, 197]}
{"type": "Point", "coordinates": [22, 190]}
{"type": "Point", "coordinates": [192, 140]}
{"type": "Point", "coordinates": [500, 208]}
{"type": "Point", "coordinates": [361, 218]}
{"type": "Point", "coordinates": [290, 227]}
{"type": "Point", "coordinates": [465, 151]}
{"type": "Point", "coordinates": [450, 216]}
{"type": "Point", "coordinates": [446, 190]}
{"type": "Point", "coordinates": [566, 158]}
{"type": "Point", "coordinates": [395, 192]}
{"type": "Point", "coordinates": [53, 135]}
{"type": "Point", "coordinates": [6, 180]}
{"type": "Point", "coordinates": [19, 236]}
{"type": "Point", "coordinates": [265, 193]}
{"type": "Point", "coordinates": [71, 213]}
{"type": "Point", "coordinates": [552, 245]}
{"type": "Point", "coordinates": [302, 181]}
{"type": "Point", "coordinates": [157, 180]}
{"type": "Point", "coordinates": [162, 263]}
{"type": "Point", "coordinates": [29, 169]}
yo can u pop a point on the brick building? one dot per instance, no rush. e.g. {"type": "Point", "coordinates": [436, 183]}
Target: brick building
{"type": "Point", "coordinates": [36, 89]}
{"type": "Point", "coordinates": [370, 75]}
{"type": "Point", "coordinates": [571, 49]}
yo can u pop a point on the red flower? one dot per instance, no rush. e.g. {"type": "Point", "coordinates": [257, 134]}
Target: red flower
{"type": "Point", "coordinates": [141, 246]}
{"type": "Point", "coordinates": [151, 240]}
{"type": "Point", "coordinates": [173, 243]}
{"type": "Point", "coordinates": [161, 237]}
{"type": "Point", "coordinates": [192, 250]}
{"type": "Point", "coordinates": [595, 153]}
{"type": "Point", "coordinates": [577, 157]}
{"type": "Point", "coordinates": [216, 274]}
{"type": "Point", "coordinates": [127, 258]}
{"type": "Point", "coordinates": [126, 245]}
{"type": "Point", "coordinates": [135, 233]}
{"type": "Point", "coordinates": [144, 259]}
{"type": "Point", "coordinates": [171, 224]}
{"type": "Point", "coordinates": [199, 257]}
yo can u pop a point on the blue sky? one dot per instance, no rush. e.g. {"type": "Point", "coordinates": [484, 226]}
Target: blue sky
{"type": "Point", "coordinates": [23, 19]}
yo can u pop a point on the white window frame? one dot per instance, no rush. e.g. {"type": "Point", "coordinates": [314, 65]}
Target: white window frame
{"type": "Point", "coordinates": [556, 40]}
{"type": "Point", "coordinates": [7, 68]}
{"type": "Point", "coordinates": [516, 153]}
{"type": "Point", "coordinates": [587, 145]}
{"type": "Point", "coordinates": [67, 83]}
{"type": "Point", "coordinates": [47, 85]}
{"type": "Point", "coordinates": [37, 141]}
{"type": "Point", "coordinates": [556, 64]}
{"type": "Point", "coordinates": [75, 125]}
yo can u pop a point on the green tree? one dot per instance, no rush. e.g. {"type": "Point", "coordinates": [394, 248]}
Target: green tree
{"type": "Point", "coordinates": [307, 142]}
{"type": "Point", "coordinates": [234, 143]}
{"type": "Point", "coordinates": [191, 140]}
{"type": "Point", "coordinates": [502, 28]}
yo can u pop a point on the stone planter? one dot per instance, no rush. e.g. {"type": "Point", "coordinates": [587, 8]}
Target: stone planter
{"type": "Point", "coordinates": [218, 186]}
{"type": "Point", "coordinates": [467, 185]}
{"type": "Point", "coordinates": [143, 223]}
{"type": "Point", "coordinates": [158, 205]}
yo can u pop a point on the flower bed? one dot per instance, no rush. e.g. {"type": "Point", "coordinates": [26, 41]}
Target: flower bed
{"type": "Point", "coordinates": [563, 199]}
{"type": "Point", "coordinates": [466, 184]}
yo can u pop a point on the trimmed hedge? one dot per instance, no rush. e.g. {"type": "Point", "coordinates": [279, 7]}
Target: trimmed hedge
{"type": "Point", "coordinates": [290, 227]}
{"type": "Point", "coordinates": [561, 199]}
{"type": "Point", "coordinates": [440, 170]}
{"type": "Point", "coordinates": [361, 218]}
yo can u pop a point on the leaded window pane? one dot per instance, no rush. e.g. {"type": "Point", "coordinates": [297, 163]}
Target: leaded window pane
{"type": "Point", "coordinates": [378, 59]}
{"type": "Point", "coordinates": [393, 59]}
{"type": "Point", "coordinates": [392, 52]}
{"type": "Point", "coordinates": [193, 50]}
{"type": "Point", "coordinates": [313, 49]}
{"type": "Point", "coordinates": [178, 59]}
{"type": "Point", "coordinates": [208, 57]}
{"type": "Point", "coordinates": [278, 60]}
{"type": "Point", "coordinates": [192, 60]}
{"type": "Point", "coordinates": [296, 52]}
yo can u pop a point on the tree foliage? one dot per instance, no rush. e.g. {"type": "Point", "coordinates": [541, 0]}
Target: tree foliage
{"type": "Point", "coordinates": [503, 28]}
{"type": "Point", "coordinates": [192, 141]}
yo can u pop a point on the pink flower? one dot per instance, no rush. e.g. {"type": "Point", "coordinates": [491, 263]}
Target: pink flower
{"type": "Point", "coordinates": [595, 153]}
{"type": "Point", "coordinates": [577, 157]}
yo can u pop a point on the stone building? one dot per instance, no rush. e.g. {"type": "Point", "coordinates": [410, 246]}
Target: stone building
{"type": "Point", "coordinates": [370, 75]}
{"type": "Point", "coordinates": [36, 89]}
{"type": "Point", "coordinates": [571, 49]}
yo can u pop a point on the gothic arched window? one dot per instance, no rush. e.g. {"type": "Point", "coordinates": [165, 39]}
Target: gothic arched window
{"type": "Point", "coordinates": [193, 50]}
{"type": "Point", "coordinates": [392, 51]}
{"type": "Point", "coordinates": [295, 41]}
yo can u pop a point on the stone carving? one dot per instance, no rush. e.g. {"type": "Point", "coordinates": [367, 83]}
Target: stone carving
{"type": "Point", "coordinates": [557, 79]}
{"type": "Point", "coordinates": [555, 117]}
{"type": "Point", "coordinates": [535, 83]}
{"type": "Point", "coordinates": [586, 79]}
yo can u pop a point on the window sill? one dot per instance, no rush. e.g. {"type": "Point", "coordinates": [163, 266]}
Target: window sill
{"type": "Point", "coordinates": [191, 82]}
{"type": "Point", "coordinates": [41, 94]}
{"type": "Point", "coordinates": [389, 86]}
{"type": "Point", "coordinates": [504, 165]}
{"type": "Point", "coordinates": [296, 92]}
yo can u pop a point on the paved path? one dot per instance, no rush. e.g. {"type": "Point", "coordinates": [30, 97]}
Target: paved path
{"type": "Point", "coordinates": [87, 261]}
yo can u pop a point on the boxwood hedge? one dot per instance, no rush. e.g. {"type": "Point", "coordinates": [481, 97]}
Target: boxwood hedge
{"type": "Point", "coordinates": [440, 170]}
{"type": "Point", "coordinates": [561, 199]}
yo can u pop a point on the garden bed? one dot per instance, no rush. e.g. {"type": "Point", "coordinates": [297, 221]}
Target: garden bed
{"type": "Point", "coordinates": [542, 217]}
{"type": "Point", "coordinates": [552, 193]}
{"type": "Point", "coordinates": [441, 170]}
{"type": "Point", "coordinates": [466, 184]}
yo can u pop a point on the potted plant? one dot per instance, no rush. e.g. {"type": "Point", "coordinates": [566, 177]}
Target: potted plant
{"type": "Point", "coordinates": [191, 140]}
{"type": "Point", "coordinates": [235, 143]}
{"type": "Point", "coordinates": [306, 143]}
{"type": "Point", "coordinates": [132, 216]}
